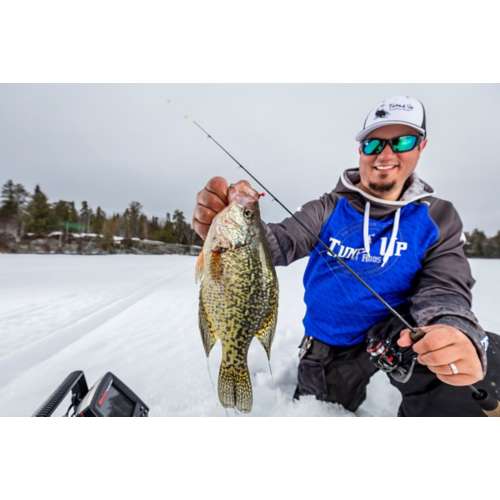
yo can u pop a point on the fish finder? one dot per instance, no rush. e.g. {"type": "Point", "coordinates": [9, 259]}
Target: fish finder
{"type": "Point", "coordinates": [108, 397]}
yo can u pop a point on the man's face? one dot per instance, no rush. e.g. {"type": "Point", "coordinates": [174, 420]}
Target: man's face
{"type": "Point", "coordinates": [385, 174]}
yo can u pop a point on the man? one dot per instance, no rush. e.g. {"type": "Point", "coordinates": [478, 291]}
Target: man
{"type": "Point", "coordinates": [407, 244]}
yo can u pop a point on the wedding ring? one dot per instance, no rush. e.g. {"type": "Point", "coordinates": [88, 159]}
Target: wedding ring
{"type": "Point", "coordinates": [453, 368]}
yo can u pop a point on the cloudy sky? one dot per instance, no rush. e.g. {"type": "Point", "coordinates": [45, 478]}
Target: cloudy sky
{"type": "Point", "coordinates": [111, 144]}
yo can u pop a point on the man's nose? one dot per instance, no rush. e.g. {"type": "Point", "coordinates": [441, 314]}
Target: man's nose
{"type": "Point", "coordinates": [387, 153]}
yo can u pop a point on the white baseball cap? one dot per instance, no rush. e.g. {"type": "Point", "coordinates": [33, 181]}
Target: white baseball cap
{"type": "Point", "coordinates": [397, 110]}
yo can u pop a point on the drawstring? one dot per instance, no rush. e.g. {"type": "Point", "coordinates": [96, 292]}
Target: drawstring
{"type": "Point", "coordinates": [389, 252]}
{"type": "Point", "coordinates": [394, 236]}
{"type": "Point", "coordinates": [366, 228]}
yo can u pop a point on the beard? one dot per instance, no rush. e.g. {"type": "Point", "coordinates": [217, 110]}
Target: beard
{"type": "Point", "coordinates": [382, 187]}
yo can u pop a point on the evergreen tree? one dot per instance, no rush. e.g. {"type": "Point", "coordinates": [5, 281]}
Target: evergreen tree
{"type": "Point", "coordinates": [125, 229]}
{"type": "Point", "coordinates": [155, 230]}
{"type": "Point", "coordinates": [496, 244]}
{"type": "Point", "coordinates": [14, 198]}
{"type": "Point", "coordinates": [477, 243]}
{"type": "Point", "coordinates": [180, 227]}
{"type": "Point", "coordinates": [64, 217]}
{"type": "Point", "coordinates": [492, 247]}
{"type": "Point", "coordinates": [60, 213]}
{"type": "Point", "coordinates": [85, 216]}
{"type": "Point", "coordinates": [109, 229]}
{"type": "Point", "coordinates": [134, 219]}
{"type": "Point", "coordinates": [9, 206]}
{"type": "Point", "coordinates": [38, 213]}
{"type": "Point", "coordinates": [73, 214]}
{"type": "Point", "coordinates": [143, 227]}
{"type": "Point", "coordinates": [98, 220]}
{"type": "Point", "coordinates": [167, 234]}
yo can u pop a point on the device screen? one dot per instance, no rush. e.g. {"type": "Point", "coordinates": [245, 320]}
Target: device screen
{"type": "Point", "coordinates": [116, 404]}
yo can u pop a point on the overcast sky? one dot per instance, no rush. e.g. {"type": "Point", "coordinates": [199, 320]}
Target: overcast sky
{"type": "Point", "coordinates": [112, 144]}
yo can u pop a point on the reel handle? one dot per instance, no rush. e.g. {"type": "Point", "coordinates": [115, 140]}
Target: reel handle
{"type": "Point", "coordinates": [416, 334]}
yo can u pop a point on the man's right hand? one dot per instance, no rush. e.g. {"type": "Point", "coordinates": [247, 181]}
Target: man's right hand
{"type": "Point", "coordinates": [209, 202]}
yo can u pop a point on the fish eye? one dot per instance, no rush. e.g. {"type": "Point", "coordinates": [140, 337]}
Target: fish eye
{"type": "Point", "coordinates": [247, 213]}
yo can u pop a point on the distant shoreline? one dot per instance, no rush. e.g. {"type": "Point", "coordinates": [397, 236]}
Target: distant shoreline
{"type": "Point", "coordinates": [48, 246]}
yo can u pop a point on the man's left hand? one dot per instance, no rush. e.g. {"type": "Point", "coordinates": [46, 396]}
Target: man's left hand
{"type": "Point", "coordinates": [445, 350]}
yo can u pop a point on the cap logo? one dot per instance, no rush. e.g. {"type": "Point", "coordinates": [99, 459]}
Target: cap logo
{"type": "Point", "coordinates": [404, 107]}
{"type": "Point", "coordinates": [381, 113]}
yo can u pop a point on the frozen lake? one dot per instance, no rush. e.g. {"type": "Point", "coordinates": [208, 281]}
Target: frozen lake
{"type": "Point", "coordinates": [138, 317]}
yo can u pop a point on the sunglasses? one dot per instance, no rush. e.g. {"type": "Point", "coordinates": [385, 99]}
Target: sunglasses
{"type": "Point", "coordinates": [401, 144]}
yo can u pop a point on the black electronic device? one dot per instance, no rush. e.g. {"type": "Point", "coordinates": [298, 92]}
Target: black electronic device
{"type": "Point", "coordinates": [108, 397]}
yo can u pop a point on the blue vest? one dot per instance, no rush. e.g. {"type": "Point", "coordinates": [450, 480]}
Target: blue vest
{"type": "Point", "coordinates": [339, 309]}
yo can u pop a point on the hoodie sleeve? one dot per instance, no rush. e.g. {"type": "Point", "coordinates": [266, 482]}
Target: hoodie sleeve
{"type": "Point", "coordinates": [443, 290]}
{"type": "Point", "coordinates": [288, 240]}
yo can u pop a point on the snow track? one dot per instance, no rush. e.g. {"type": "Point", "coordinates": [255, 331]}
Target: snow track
{"type": "Point", "coordinates": [62, 338]}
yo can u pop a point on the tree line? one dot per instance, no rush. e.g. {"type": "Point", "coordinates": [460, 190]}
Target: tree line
{"type": "Point", "coordinates": [33, 214]}
{"type": "Point", "coordinates": [479, 245]}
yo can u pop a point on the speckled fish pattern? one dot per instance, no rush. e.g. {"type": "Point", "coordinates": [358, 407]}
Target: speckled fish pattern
{"type": "Point", "coordinates": [238, 299]}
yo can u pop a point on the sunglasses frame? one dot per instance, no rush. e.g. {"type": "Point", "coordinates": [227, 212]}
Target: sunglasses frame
{"type": "Point", "coordinates": [384, 142]}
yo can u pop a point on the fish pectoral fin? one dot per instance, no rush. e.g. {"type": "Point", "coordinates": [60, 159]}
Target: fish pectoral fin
{"type": "Point", "coordinates": [266, 333]}
{"type": "Point", "coordinates": [207, 336]}
{"type": "Point", "coordinates": [199, 266]}
{"type": "Point", "coordinates": [215, 265]}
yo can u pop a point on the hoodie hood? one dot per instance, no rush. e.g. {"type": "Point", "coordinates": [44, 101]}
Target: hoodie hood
{"type": "Point", "coordinates": [415, 190]}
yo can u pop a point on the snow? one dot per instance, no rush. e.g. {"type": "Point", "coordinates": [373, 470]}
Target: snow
{"type": "Point", "coordinates": [137, 316]}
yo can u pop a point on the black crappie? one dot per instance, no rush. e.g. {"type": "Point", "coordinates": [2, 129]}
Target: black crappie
{"type": "Point", "coordinates": [238, 294]}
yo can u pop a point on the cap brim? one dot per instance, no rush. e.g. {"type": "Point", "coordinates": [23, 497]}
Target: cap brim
{"type": "Point", "coordinates": [366, 131]}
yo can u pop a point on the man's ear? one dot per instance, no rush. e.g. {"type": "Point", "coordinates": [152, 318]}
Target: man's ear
{"type": "Point", "coordinates": [422, 145]}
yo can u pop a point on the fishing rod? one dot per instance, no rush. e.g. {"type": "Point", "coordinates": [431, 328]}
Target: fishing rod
{"type": "Point", "coordinates": [415, 331]}
{"type": "Point", "coordinates": [489, 405]}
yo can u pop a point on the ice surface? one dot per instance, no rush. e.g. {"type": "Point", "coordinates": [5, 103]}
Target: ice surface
{"type": "Point", "coordinates": [137, 316]}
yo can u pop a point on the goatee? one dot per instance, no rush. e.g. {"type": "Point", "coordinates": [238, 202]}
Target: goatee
{"type": "Point", "coordinates": [382, 187]}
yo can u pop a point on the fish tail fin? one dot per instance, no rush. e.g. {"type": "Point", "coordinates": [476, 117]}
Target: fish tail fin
{"type": "Point", "coordinates": [235, 387]}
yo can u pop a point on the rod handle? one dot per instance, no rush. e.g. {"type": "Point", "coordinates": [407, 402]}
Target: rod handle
{"type": "Point", "coordinates": [489, 405]}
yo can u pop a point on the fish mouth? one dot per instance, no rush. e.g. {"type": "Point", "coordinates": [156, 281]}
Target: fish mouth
{"type": "Point", "coordinates": [245, 196]}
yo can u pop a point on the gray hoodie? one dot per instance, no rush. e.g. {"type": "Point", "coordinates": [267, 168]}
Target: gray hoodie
{"type": "Point", "coordinates": [412, 249]}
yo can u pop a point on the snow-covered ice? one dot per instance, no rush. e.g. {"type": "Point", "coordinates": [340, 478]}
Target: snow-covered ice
{"type": "Point", "coordinates": [137, 316]}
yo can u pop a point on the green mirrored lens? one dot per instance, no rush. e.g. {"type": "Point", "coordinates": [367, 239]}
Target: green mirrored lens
{"type": "Point", "coordinates": [371, 146]}
{"type": "Point", "coordinates": [404, 143]}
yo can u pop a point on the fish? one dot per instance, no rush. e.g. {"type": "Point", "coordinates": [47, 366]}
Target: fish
{"type": "Point", "coordinates": [238, 297]}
